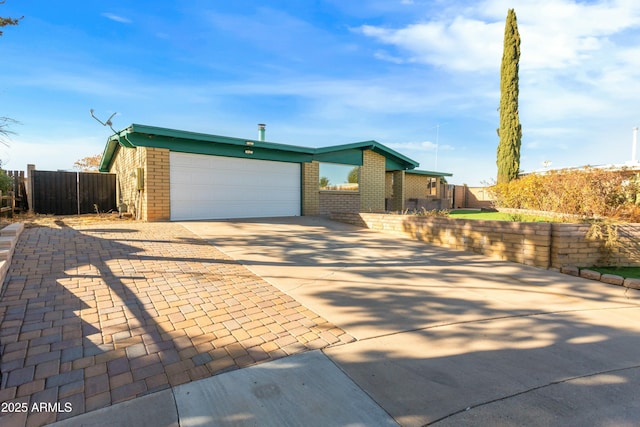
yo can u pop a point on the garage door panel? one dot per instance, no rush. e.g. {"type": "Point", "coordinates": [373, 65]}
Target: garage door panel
{"type": "Point", "coordinates": [211, 187]}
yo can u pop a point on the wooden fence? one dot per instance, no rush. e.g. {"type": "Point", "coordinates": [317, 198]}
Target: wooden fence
{"type": "Point", "coordinates": [72, 193]}
{"type": "Point", "coordinates": [10, 205]}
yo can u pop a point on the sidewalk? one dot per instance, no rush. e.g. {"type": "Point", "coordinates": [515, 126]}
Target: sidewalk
{"type": "Point", "coordinates": [100, 314]}
{"type": "Point", "coordinates": [301, 390]}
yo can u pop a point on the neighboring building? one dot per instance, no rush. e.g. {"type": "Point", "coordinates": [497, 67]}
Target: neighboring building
{"type": "Point", "coordinates": [167, 174]}
{"type": "Point", "coordinates": [628, 168]}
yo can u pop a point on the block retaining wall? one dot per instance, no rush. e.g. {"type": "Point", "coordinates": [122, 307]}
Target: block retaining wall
{"type": "Point", "coordinates": [546, 245]}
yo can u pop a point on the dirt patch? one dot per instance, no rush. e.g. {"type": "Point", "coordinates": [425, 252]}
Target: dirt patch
{"type": "Point", "coordinates": [31, 220]}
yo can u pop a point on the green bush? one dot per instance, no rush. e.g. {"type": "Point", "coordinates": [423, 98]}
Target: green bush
{"type": "Point", "coordinates": [6, 182]}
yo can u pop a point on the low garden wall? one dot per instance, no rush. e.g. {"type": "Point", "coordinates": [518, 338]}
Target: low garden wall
{"type": "Point", "coordinates": [546, 245]}
{"type": "Point", "coordinates": [339, 201]}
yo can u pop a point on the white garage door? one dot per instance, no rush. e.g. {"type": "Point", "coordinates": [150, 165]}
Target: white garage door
{"type": "Point", "coordinates": [213, 187]}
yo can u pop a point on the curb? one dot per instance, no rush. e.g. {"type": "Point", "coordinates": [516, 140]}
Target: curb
{"type": "Point", "coordinates": [611, 279]}
{"type": "Point", "coordinates": [9, 236]}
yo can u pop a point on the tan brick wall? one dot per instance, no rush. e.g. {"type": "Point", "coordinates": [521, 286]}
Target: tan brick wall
{"type": "Point", "coordinates": [399, 191]}
{"type": "Point", "coordinates": [372, 182]}
{"type": "Point", "coordinates": [157, 193]}
{"type": "Point", "coordinates": [526, 243]}
{"type": "Point", "coordinates": [125, 164]}
{"type": "Point", "coordinates": [152, 203]}
{"type": "Point", "coordinates": [547, 245]}
{"type": "Point", "coordinates": [310, 188]}
{"type": "Point", "coordinates": [388, 185]}
{"type": "Point", "coordinates": [339, 201]}
{"type": "Point", "coordinates": [571, 247]}
{"type": "Point", "coordinates": [416, 186]}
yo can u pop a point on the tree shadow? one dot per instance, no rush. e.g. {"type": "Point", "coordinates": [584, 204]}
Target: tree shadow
{"type": "Point", "coordinates": [536, 370]}
{"type": "Point", "coordinates": [442, 330]}
{"type": "Point", "coordinates": [97, 303]}
{"type": "Point", "coordinates": [392, 283]}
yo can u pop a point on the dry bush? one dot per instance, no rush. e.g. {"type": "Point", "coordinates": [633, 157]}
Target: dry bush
{"type": "Point", "coordinates": [587, 192]}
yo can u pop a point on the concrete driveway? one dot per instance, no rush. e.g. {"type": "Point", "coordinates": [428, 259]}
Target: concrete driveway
{"type": "Point", "coordinates": [449, 337]}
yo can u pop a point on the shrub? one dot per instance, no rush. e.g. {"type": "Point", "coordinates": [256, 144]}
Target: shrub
{"type": "Point", "coordinates": [586, 192]}
{"type": "Point", "coordinates": [6, 182]}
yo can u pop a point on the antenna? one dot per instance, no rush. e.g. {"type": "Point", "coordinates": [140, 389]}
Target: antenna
{"type": "Point", "coordinates": [107, 123]}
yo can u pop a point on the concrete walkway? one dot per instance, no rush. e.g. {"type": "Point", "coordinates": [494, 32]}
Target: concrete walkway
{"type": "Point", "coordinates": [443, 337]}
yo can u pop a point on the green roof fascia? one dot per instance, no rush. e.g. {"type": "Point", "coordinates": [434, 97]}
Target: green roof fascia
{"type": "Point", "coordinates": [259, 150]}
{"type": "Point", "coordinates": [394, 160]}
{"type": "Point", "coordinates": [110, 150]}
{"type": "Point", "coordinates": [202, 137]}
{"type": "Point", "coordinates": [349, 156]}
{"type": "Point", "coordinates": [428, 173]}
{"type": "Point", "coordinates": [137, 135]}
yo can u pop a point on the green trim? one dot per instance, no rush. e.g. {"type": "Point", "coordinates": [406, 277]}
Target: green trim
{"type": "Point", "coordinates": [395, 160]}
{"type": "Point", "coordinates": [108, 155]}
{"type": "Point", "coordinates": [428, 173]}
{"type": "Point", "coordinates": [137, 135]}
{"type": "Point", "coordinates": [152, 132]}
{"type": "Point", "coordinates": [258, 151]}
{"type": "Point", "coordinates": [352, 156]}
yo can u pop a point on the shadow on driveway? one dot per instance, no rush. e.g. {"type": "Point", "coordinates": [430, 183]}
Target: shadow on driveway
{"type": "Point", "coordinates": [94, 316]}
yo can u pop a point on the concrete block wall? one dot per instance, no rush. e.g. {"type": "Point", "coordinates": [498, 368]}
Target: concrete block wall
{"type": "Point", "coordinates": [546, 245]}
{"type": "Point", "coordinates": [472, 197]}
{"type": "Point", "coordinates": [372, 182]}
{"type": "Point", "coordinates": [311, 188]}
{"type": "Point", "coordinates": [571, 247]}
{"type": "Point", "coordinates": [9, 236]}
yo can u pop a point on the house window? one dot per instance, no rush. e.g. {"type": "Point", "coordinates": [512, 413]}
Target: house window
{"type": "Point", "coordinates": [335, 177]}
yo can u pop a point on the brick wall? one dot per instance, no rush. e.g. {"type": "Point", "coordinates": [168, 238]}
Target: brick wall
{"type": "Point", "coordinates": [125, 165]}
{"type": "Point", "coordinates": [339, 201]}
{"type": "Point", "coordinates": [152, 203]}
{"type": "Point", "coordinates": [547, 245]}
{"type": "Point", "coordinates": [388, 185]}
{"type": "Point", "coordinates": [372, 182]}
{"type": "Point", "coordinates": [399, 191]}
{"type": "Point", "coordinates": [416, 186]}
{"type": "Point", "coordinates": [572, 248]}
{"type": "Point", "coordinates": [310, 188]}
{"type": "Point", "coordinates": [157, 193]}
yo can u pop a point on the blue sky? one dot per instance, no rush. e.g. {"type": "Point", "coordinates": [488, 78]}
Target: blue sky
{"type": "Point", "coordinates": [419, 76]}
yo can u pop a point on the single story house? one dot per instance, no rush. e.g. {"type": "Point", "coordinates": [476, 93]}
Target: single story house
{"type": "Point", "coordinates": [167, 174]}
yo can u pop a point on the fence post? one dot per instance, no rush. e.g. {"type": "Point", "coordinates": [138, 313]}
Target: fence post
{"type": "Point", "coordinates": [30, 169]}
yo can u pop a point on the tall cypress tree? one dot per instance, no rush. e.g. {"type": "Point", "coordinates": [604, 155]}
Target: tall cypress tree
{"type": "Point", "coordinates": [510, 131]}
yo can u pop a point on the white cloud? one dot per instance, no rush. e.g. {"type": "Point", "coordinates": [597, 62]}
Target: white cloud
{"type": "Point", "coordinates": [420, 146]}
{"type": "Point", "coordinates": [461, 44]}
{"type": "Point", "coordinates": [117, 18]}
{"type": "Point", "coordinates": [555, 34]}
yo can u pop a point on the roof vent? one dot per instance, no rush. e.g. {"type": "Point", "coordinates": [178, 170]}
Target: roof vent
{"type": "Point", "coordinates": [261, 127]}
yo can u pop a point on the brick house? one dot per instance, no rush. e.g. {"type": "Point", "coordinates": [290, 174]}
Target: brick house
{"type": "Point", "coordinates": [167, 174]}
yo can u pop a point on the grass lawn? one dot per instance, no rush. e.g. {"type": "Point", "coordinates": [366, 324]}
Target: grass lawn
{"type": "Point", "coordinates": [498, 216]}
{"type": "Point", "coordinates": [626, 272]}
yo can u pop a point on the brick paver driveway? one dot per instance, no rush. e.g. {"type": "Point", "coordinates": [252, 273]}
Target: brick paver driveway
{"type": "Point", "coordinates": [98, 314]}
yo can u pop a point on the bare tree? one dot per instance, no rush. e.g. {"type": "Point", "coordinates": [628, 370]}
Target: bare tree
{"type": "Point", "coordinates": [8, 21]}
{"type": "Point", "coordinates": [5, 133]}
